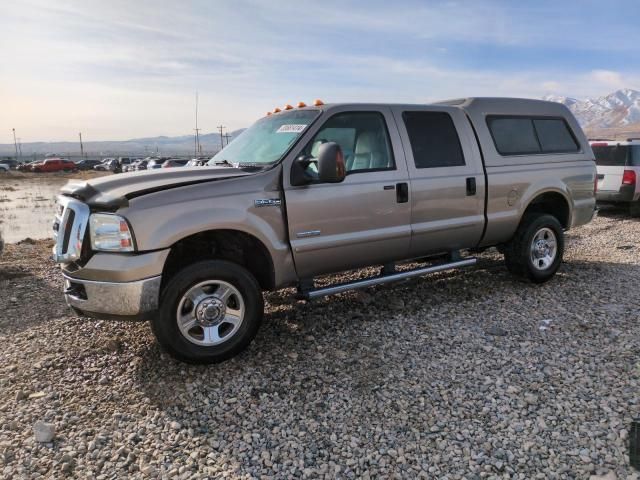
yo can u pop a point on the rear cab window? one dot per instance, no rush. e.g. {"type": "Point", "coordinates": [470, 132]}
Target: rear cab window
{"type": "Point", "coordinates": [524, 135]}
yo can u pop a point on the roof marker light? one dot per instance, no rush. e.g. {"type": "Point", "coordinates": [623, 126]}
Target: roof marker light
{"type": "Point", "coordinates": [301, 104]}
{"type": "Point", "coordinates": [276, 110]}
{"type": "Point", "coordinates": [317, 102]}
{"type": "Point", "coordinates": [268, 113]}
{"type": "Point", "coordinates": [287, 107]}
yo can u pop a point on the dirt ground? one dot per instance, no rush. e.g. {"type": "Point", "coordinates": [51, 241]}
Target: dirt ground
{"type": "Point", "coordinates": [467, 374]}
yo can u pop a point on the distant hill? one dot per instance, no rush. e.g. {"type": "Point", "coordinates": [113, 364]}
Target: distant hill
{"type": "Point", "coordinates": [181, 145]}
{"type": "Point", "coordinates": [616, 115]}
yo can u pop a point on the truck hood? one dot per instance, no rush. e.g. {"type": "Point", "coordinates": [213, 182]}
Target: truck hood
{"type": "Point", "coordinates": [115, 191]}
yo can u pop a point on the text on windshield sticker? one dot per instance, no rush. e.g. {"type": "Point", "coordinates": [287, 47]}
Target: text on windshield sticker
{"type": "Point", "coordinates": [291, 128]}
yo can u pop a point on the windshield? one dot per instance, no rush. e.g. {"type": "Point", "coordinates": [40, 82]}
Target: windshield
{"type": "Point", "coordinates": [266, 141]}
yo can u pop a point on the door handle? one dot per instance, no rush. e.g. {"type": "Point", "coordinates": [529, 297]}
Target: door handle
{"type": "Point", "coordinates": [471, 186]}
{"type": "Point", "coordinates": [389, 187]}
{"type": "Point", "coordinates": [402, 192]}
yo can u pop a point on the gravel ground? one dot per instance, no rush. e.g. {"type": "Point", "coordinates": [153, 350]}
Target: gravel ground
{"type": "Point", "coordinates": [458, 375]}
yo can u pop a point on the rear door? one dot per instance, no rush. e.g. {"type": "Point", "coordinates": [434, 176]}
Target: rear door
{"type": "Point", "coordinates": [364, 220]}
{"type": "Point", "coordinates": [611, 161]}
{"type": "Point", "coordinates": [446, 176]}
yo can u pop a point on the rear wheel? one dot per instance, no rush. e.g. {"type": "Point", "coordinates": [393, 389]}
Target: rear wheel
{"type": "Point", "coordinates": [535, 251]}
{"type": "Point", "coordinates": [209, 312]}
{"type": "Point", "coordinates": [634, 209]}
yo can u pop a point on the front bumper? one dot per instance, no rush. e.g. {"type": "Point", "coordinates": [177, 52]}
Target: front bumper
{"type": "Point", "coordinates": [113, 299]}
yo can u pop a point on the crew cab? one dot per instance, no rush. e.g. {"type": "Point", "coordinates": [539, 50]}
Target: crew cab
{"type": "Point", "coordinates": [618, 164]}
{"type": "Point", "coordinates": [321, 189]}
{"type": "Point", "coordinates": [54, 165]}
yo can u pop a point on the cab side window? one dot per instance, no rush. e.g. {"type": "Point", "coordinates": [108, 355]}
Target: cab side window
{"type": "Point", "coordinates": [363, 137]}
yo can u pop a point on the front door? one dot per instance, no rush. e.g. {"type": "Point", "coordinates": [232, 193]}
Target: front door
{"type": "Point", "coordinates": [365, 219]}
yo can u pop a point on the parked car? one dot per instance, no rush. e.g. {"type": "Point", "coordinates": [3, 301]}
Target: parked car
{"type": "Point", "coordinates": [106, 165]}
{"type": "Point", "coordinates": [318, 190]}
{"type": "Point", "coordinates": [4, 167]}
{"type": "Point", "coordinates": [26, 167]}
{"type": "Point", "coordinates": [156, 163]}
{"type": "Point", "coordinates": [87, 164]}
{"type": "Point", "coordinates": [54, 165]}
{"type": "Point", "coordinates": [618, 173]}
{"type": "Point", "coordinates": [11, 163]}
{"type": "Point", "coordinates": [131, 166]}
{"type": "Point", "coordinates": [174, 162]}
{"type": "Point", "coordinates": [197, 162]}
{"type": "Point", "coordinates": [141, 165]}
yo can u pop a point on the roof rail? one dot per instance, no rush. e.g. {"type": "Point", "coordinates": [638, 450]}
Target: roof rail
{"type": "Point", "coordinates": [602, 140]}
{"type": "Point", "coordinates": [631, 139]}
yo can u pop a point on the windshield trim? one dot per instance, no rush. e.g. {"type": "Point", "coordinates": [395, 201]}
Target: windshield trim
{"type": "Point", "coordinates": [269, 165]}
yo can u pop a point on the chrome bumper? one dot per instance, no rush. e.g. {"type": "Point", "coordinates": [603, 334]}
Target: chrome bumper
{"type": "Point", "coordinates": [113, 298]}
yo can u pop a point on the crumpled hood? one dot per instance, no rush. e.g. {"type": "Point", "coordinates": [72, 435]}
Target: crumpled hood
{"type": "Point", "coordinates": [114, 191]}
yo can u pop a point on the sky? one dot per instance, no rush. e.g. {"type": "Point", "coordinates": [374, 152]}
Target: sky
{"type": "Point", "coordinates": [116, 70]}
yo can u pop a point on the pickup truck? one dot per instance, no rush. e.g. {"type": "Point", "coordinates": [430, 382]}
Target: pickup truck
{"type": "Point", "coordinates": [320, 189]}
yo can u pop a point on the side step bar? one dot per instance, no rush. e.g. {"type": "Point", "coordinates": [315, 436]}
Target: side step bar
{"type": "Point", "coordinates": [379, 280]}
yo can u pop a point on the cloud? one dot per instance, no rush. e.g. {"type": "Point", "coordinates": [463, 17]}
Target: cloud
{"type": "Point", "coordinates": [607, 79]}
{"type": "Point", "coordinates": [121, 69]}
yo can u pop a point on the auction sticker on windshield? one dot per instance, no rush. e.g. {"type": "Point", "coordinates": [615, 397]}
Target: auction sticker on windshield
{"type": "Point", "coordinates": [291, 128]}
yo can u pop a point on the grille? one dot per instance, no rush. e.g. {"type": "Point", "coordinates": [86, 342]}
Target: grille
{"type": "Point", "coordinates": [69, 229]}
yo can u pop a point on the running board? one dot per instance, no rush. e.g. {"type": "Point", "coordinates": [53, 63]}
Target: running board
{"type": "Point", "coordinates": [379, 280]}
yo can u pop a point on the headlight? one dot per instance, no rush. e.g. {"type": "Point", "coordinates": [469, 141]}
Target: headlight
{"type": "Point", "coordinates": [110, 233]}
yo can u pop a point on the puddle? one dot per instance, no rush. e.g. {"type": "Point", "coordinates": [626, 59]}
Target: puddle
{"type": "Point", "coordinates": [27, 207]}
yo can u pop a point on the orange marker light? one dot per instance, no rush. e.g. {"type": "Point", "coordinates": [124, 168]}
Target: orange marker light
{"type": "Point", "coordinates": [287, 107]}
{"type": "Point", "coordinates": [276, 110]}
{"type": "Point", "coordinates": [268, 113]}
{"type": "Point", "coordinates": [301, 104]}
{"type": "Point", "coordinates": [317, 102]}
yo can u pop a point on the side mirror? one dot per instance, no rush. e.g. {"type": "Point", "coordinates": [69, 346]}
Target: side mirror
{"type": "Point", "coordinates": [331, 167]}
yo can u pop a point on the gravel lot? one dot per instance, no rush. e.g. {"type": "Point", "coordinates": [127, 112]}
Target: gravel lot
{"type": "Point", "coordinates": [458, 375]}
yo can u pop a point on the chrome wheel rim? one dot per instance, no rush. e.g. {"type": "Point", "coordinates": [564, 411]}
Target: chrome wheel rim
{"type": "Point", "coordinates": [210, 313]}
{"type": "Point", "coordinates": [544, 248]}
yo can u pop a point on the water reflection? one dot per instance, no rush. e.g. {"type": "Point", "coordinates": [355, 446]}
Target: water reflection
{"type": "Point", "coordinates": [27, 206]}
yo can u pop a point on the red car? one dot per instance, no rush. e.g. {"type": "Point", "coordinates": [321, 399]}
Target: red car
{"type": "Point", "coordinates": [54, 165]}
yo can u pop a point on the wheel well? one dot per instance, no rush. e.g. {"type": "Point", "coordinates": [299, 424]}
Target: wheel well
{"type": "Point", "coordinates": [552, 203]}
{"type": "Point", "coordinates": [232, 245]}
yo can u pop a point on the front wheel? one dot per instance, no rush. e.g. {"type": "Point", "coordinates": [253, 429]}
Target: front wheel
{"type": "Point", "coordinates": [209, 312]}
{"type": "Point", "coordinates": [535, 251]}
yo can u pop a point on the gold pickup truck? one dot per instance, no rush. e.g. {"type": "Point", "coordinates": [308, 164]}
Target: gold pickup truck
{"type": "Point", "coordinates": [318, 189]}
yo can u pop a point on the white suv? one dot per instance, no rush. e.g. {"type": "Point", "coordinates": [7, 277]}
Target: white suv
{"type": "Point", "coordinates": [618, 165]}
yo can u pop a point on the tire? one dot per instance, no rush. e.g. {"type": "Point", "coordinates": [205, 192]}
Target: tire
{"type": "Point", "coordinates": [634, 209]}
{"type": "Point", "coordinates": [521, 256]}
{"type": "Point", "coordinates": [224, 316]}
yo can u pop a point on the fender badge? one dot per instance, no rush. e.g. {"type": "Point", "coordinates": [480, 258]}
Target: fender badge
{"type": "Point", "coordinates": [267, 202]}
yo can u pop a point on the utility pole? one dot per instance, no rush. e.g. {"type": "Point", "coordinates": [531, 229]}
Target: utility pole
{"type": "Point", "coordinates": [81, 146]}
{"type": "Point", "coordinates": [15, 142]}
{"type": "Point", "coordinates": [227, 137]}
{"type": "Point", "coordinates": [20, 148]}
{"type": "Point", "coordinates": [220, 127]}
{"type": "Point", "coordinates": [196, 148]}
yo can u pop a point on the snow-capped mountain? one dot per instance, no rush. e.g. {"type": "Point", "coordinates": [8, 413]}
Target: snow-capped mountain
{"type": "Point", "coordinates": [619, 109]}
